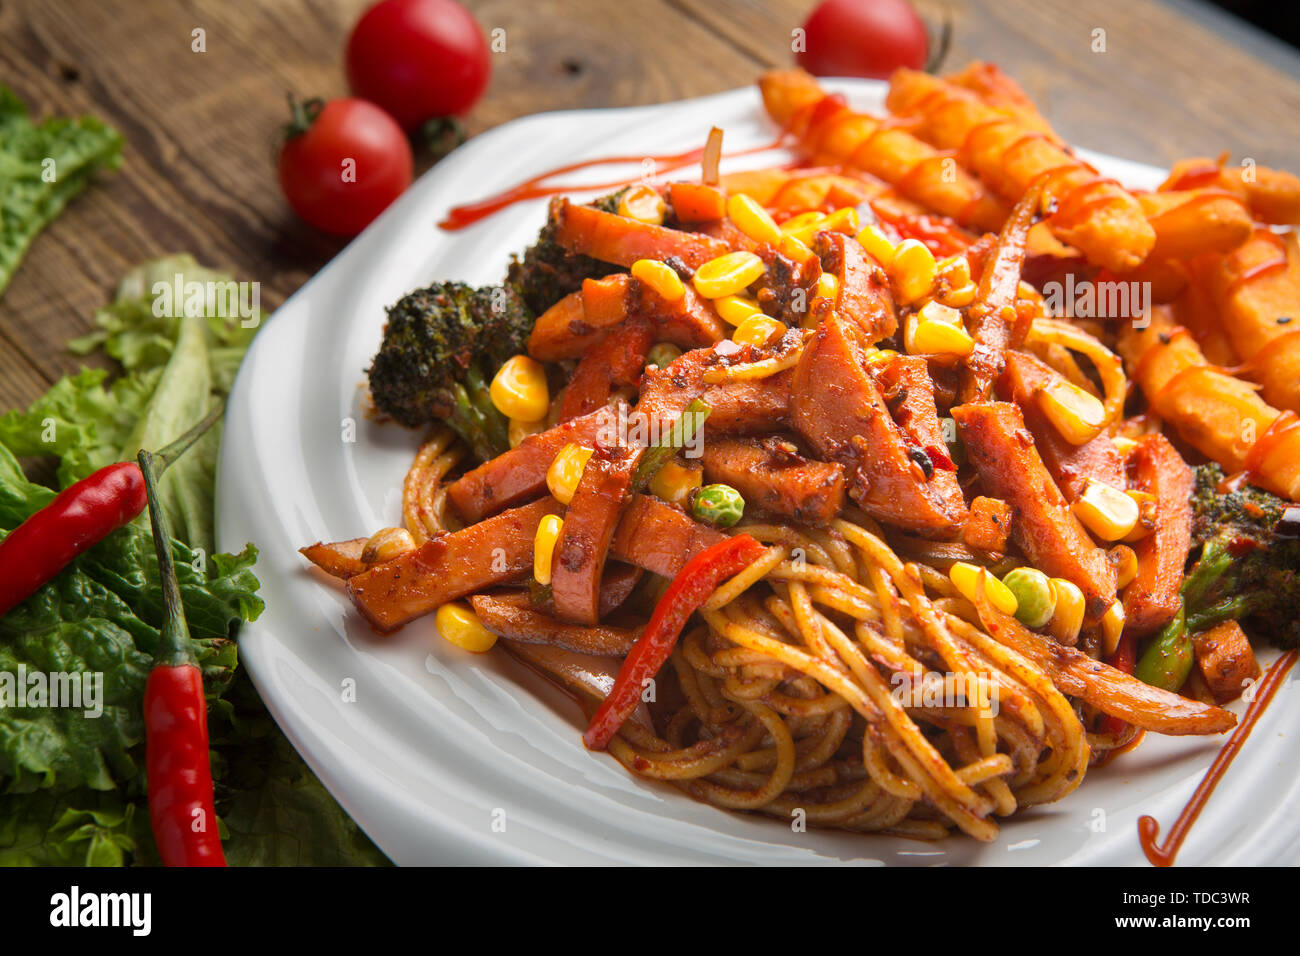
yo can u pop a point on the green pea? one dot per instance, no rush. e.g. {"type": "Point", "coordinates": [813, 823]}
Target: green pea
{"type": "Point", "coordinates": [718, 504]}
{"type": "Point", "coordinates": [1035, 597]}
{"type": "Point", "coordinates": [1167, 661]}
{"type": "Point", "coordinates": [663, 354]}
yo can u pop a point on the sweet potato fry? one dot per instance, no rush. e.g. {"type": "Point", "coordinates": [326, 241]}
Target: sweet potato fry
{"type": "Point", "coordinates": [1043, 526]}
{"type": "Point", "coordinates": [520, 474]}
{"type": "Point", "coordinates": [1256, 290]}
{"type": "Point", "coordinates": [1194, 309]}
{"type": "Point", "coordinates": [1151, 598]}
{"type": "Point", "coordinates": [495, 551]}
{"type": "Point", "coordinates": [1272, 195]}
{"type": "Point", "coordinates": [622, 241]}
{"type": "Point", "coordinates": [1095, 215]}
{"type": "Point", "coordinates": [772, 476]}
{"type": "Point", "coordinates": [1225, 660]}
{"type": "Point", "coordinates": [1192, 222]}
{"type": "Point", "coordinates": [512, 615]}
{"type": "Point", "coordinates": [998, 90]}
{"type": "Point", "coordinates": [832, 133]}
{"type": "Point", "coordinates": [1219, 415]}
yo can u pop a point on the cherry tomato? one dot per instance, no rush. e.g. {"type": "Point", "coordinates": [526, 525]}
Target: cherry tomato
{"type": "Point", "coordinates": [869, 38]}
{"type": "Point", "coordinates": [418, 59]}
{"type": "Point", "coordinates": [343, 163]}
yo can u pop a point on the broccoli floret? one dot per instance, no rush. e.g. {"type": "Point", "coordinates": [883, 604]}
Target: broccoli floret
{"type": "Point", "coordinates": [1249, 566]}
{"type": "Point", "coordinates": [441, 347]}
{"type": "Point", "coordinates": [547, 273]}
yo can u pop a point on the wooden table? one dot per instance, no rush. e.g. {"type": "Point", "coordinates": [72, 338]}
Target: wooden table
{"type": "Point", "coordinates": [199, 174]}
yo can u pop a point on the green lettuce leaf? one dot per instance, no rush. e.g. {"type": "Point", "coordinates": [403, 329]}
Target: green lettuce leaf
{"type": "Point", "coordinates": [42, 166]}
{"type": "Point", "coordinates": [72, 787]}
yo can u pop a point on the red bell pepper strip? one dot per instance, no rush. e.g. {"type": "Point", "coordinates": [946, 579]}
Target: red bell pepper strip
{"type": "Point", "coordinates": [697, 579]}
{"type": "Point", "coordinates": [177, 763]}
{"type": "Point", "coordinates": [80, 516]}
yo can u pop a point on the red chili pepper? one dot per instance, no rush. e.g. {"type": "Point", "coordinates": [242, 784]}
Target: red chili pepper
{"type": "Point", "coordinates": [177, 763]}
{"type": "Point", "coordinates": [697, 579]}
{"type": "Point", "coordinates": [79, 517]}
{"type": "Point", "coordinates": [1124, 659]}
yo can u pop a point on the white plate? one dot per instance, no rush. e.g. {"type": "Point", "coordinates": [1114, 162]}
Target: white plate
{"type": "Point", "coordinates": [448, 757]}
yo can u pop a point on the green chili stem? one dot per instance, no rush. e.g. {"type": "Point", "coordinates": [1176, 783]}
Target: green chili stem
{"type": "Point", "coordinates": [173, 450]}
{"type": "Point", "coordinates": [174, 648]}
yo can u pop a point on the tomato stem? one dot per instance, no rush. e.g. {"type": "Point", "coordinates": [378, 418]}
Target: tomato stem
{"type": "Point", "coordinates": [440, 135]}
{"type": "Point", "coordinates": [303, 114]}
{"type": "Point", "coordinates": [943, 38]}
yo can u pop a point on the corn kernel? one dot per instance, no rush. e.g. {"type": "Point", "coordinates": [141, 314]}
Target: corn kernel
{"type": "Point", "coordinates": [757, 330]}
{"type": "Point", "coordinates": [675, 482]}
{"type": "Point", "coordinates": [959, 297]}
{"type": "Point", "coordinates": [965, 578]}
{"type": "Point", "coordinates": [877, 245]}
{"type": "Point", "coordinates": [828, 286]}
{"type": "Point", "coordinates": [386, 544]}
{"type": "Point", "coordinates": [804, 226]}
{"type": "Point", "coordinates": [643, 204]}
{"type": "Point", "coordinates": [879, 356]}
{"type": "Point", "coordinates": [793, 248]}
{"type": "Point", "coordinates": [459, 625]}
{"type": "Point", "coordinates": [736, 308]}
{"type": "Point", "coordinates": [936, 330]}
{"type": "Point", "coordinates": [518, 431]}
{"type": "Point", "coordinates": [912, 271]}
{"type": "Point", "coordinates": [753, 220]}
{"type": "Point", "coordinates": [843, 220]}
{"type": "Point", "coordinates": [1112, 626]}
{"type": "Point", "coordinates": [955, 270]}
{"type": "Point", "coordinates": [566, 471]}
{"type": "Point", "coordinates": [1106, 511]}
{"type": "Point", "coordinates": [1148, 515]}
{"type": "Point", "coordinates": [729, 274]}
{"type": "Point", "coordinates": [1123, 445]}
{"type": "Point", "coordinates": [544, 542]}
{"type": "Point", "coordinates": [519, 389]}
{"type": "Point", "coordinates": [1075, 414]}
{"type": "Point", "coordinates": [1124, 560]}
{"type": "Point", "coordinates": [660, 277]}
{"type": "Point", "coordinates": [1067, 619]}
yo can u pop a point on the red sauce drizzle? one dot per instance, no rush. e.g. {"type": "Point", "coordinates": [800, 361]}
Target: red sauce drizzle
{"type": "Point", "coordinates": [1267, 267]}
{"type": "Point", "coordinates": [1278, 430]}
{"type": "Point", "coordinates": [1193, 178]}
{"type": "Point", "coordinates": [535, 188]}
{"type": "Point", "coordinates": [1149, 827]}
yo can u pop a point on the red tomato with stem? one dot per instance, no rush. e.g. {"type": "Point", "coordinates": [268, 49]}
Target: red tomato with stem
{"type": "Point", "coordinates": [870, 38]}
{"type": "Point", "coordinates": [418, 59]}
{"type": "Point", "coordinates": [342, 164]}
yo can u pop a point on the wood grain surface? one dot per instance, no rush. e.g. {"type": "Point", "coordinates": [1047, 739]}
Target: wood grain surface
{"type": "Point", "coordinates": [201, 127]}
